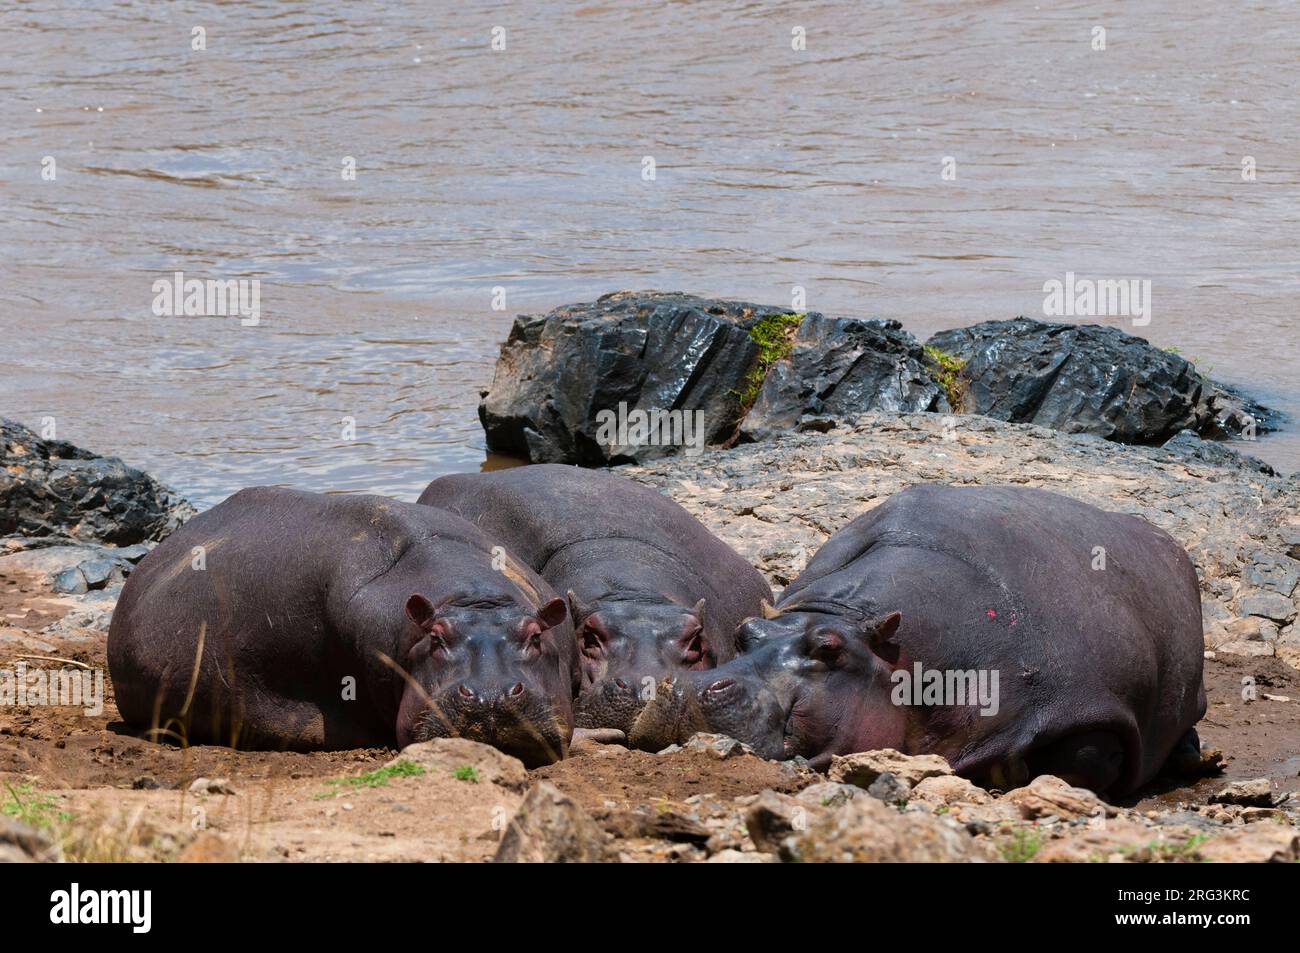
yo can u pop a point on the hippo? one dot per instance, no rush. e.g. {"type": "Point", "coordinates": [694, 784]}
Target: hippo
{"type": "Point", "coordinates": [1013, 631]}
{"type": "Point", "coordinates": [650, 590]}
{"type": "Point", "coordinates": [281, 619]}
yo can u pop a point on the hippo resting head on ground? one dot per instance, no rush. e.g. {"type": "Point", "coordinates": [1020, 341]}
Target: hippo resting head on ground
{"type": "Point", "coordinates": [1014, 631]}
{"type": "Point", "coordinates": [281, 619]}
{"type": "Point", "coordinates": [651, 591]}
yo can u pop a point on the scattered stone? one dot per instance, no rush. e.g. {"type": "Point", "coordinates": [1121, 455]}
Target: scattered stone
{"type": "Point", "coordinates": [742, 857]}
{"type": "Point", "coordinates": [1278, 574]}
{"type": "Point", "coordinates": [1268, 605]}
{"type": "Point", "coordinates": [798, 770]}
{"type": "Point", "coordinates": [889, 789]}
{"type": "Point", "coordinates": [1255, 844]}
{"type": "Point", "coordinates": [95, 612]}
{"type": "Point", "coordinates": [1291, 540]}
{"type": "Point", "coordinates": [949, 789]}
{"type": "Point", "coordinates": [1250, 649]}
{"type": "Point", "coordinates": [773, 817]}
{"type": "Point", "coordinates": [211, 786]}
{"type": "Point", "coordinates": [1189, 445]}
{"type": "Point", "coordinates": [829, 794]}
{"type": "Point", "coordinates": [1250, 815]}
{"type": "Point", "coordinates": [865, 830]}
{"type": "Point", "coordinates": [1118, 840]}
{"type": "Point", "coordinates": [20, 843]}
{"type": "Point", "coordinates": [71, 581]}
{"type": "Point", "coordinates": [1257, 792]}
{"type": "Point", "coordinates": [716, 746]}
{"type": "Point", "coordinates": [661, 825]}
{"type": "Point", "coordinates": [865, 767]}
{"type": "Point", "coordinates": [1048, 795]}
{"type": "Point", "coordinates": [442, 757]}
{"type": "Point", "coordinates": [550, 828]}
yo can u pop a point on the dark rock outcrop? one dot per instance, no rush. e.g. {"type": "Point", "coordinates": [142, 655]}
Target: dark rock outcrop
{"type": "Point", "coordinates": [1089, 379]}
{"type": "Point", "coordinates": [562, 376]}
{"type": "Point", "coordinates": [54, 491]}
{"type": "Point", "coordinates": [647, 351]}
{"type": "Point", "coordinates": [842, 367]}
{"type": "Point", "coordinates": [1189, 445]}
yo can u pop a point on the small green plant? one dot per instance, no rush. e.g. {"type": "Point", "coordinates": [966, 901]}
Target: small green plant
{"type": "Point", "coordinates": [1023, 846]}
{"type": "Point", "coordinates": [28, 807]}
{"type": "Point", "coordinates": [774, 336]}
{"type": "Point", "coordinates": [466, 772]}
{"type": "Point", "coordinates": [949, 376]}
{"type": "Point", "coordinates": [1177, 850]}
{"type": "Point", "coordinates": [373, 779]}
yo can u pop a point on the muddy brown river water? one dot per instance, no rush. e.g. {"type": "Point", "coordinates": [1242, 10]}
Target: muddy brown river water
{"type": "Point", "coordinates": [525, 169]}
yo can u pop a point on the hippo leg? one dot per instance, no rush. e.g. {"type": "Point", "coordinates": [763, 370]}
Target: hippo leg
{"type": "Point", "coordinates": [1091, 760]}
{"type": "Point", "coordinates": [1185, 759]}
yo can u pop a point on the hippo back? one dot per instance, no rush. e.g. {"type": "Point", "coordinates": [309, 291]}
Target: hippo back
{"type": "Point", "coordinates": [544, 511]}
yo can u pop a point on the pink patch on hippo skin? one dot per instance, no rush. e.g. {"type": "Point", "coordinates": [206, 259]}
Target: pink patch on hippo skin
{"type": "Point", "coordinates": [991, 614]}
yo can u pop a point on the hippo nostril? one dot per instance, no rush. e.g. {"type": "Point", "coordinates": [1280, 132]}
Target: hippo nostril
{"type": "Point", "coordinates": [621, 684]}
{"type": "Point", "coordinates": [517, 690]}
{"type": "Point", "coordinates": [466, 692]}
{"type": "Point", "coordinates": [721, 685]}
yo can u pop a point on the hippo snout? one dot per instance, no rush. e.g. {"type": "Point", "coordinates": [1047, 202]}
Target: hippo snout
{"type": "Point", "coordinates": [615, 703]}
{"type": "Point", "coordinates": [513, 719]}
{"type": "Point", "coordinates": [670, 716]}
{"type": "Point", "coordinates": [737, 706]}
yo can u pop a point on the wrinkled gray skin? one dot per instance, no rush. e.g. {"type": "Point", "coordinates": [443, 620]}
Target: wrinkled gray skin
{"type": "Point", "coordinates": [1099, 670]}
{"type": "Point", "coordinates": [305, 596]}
{"type": "Point", "coordinates": [651, 591]}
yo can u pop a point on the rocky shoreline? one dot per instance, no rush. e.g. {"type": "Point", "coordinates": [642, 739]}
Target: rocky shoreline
{"type": "Point", "coordinates": [77, 523]}
{"type": "Point", "coordinates": [748, 372]}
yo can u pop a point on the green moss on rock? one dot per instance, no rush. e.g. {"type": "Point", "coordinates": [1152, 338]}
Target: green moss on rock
{"type": "Point", "coordinates": [949, 375]}
{"type": "Point", "coordinates": [774, 336]}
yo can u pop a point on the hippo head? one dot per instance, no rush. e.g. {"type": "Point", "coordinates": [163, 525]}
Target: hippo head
{"type": "Point", "coordinates": [626, 646]}
{"type": "Point", "coordinates": [489, 670]}
{"type": "Point", "coordinates": [806, 683]}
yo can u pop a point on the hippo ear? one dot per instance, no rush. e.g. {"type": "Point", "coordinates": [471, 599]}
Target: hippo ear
{"type": "Point", "coordinates": [578, 609]}
{"type": "Point", "coordinates": [881, 634]}
{"type": "Point", "coordinates": [420, 611]}
{"type": "Point", "coordinates": [553, 613]}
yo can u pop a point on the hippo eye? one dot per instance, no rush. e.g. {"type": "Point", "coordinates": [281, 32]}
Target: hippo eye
{"type": "Point", "coordinates": [828, 649]}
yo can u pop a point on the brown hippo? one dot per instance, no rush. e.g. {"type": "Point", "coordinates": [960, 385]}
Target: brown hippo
{"type": "Point", "coordinates": [281, 619]}
{"type": "Point", "coordinates": [1014, 631]}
